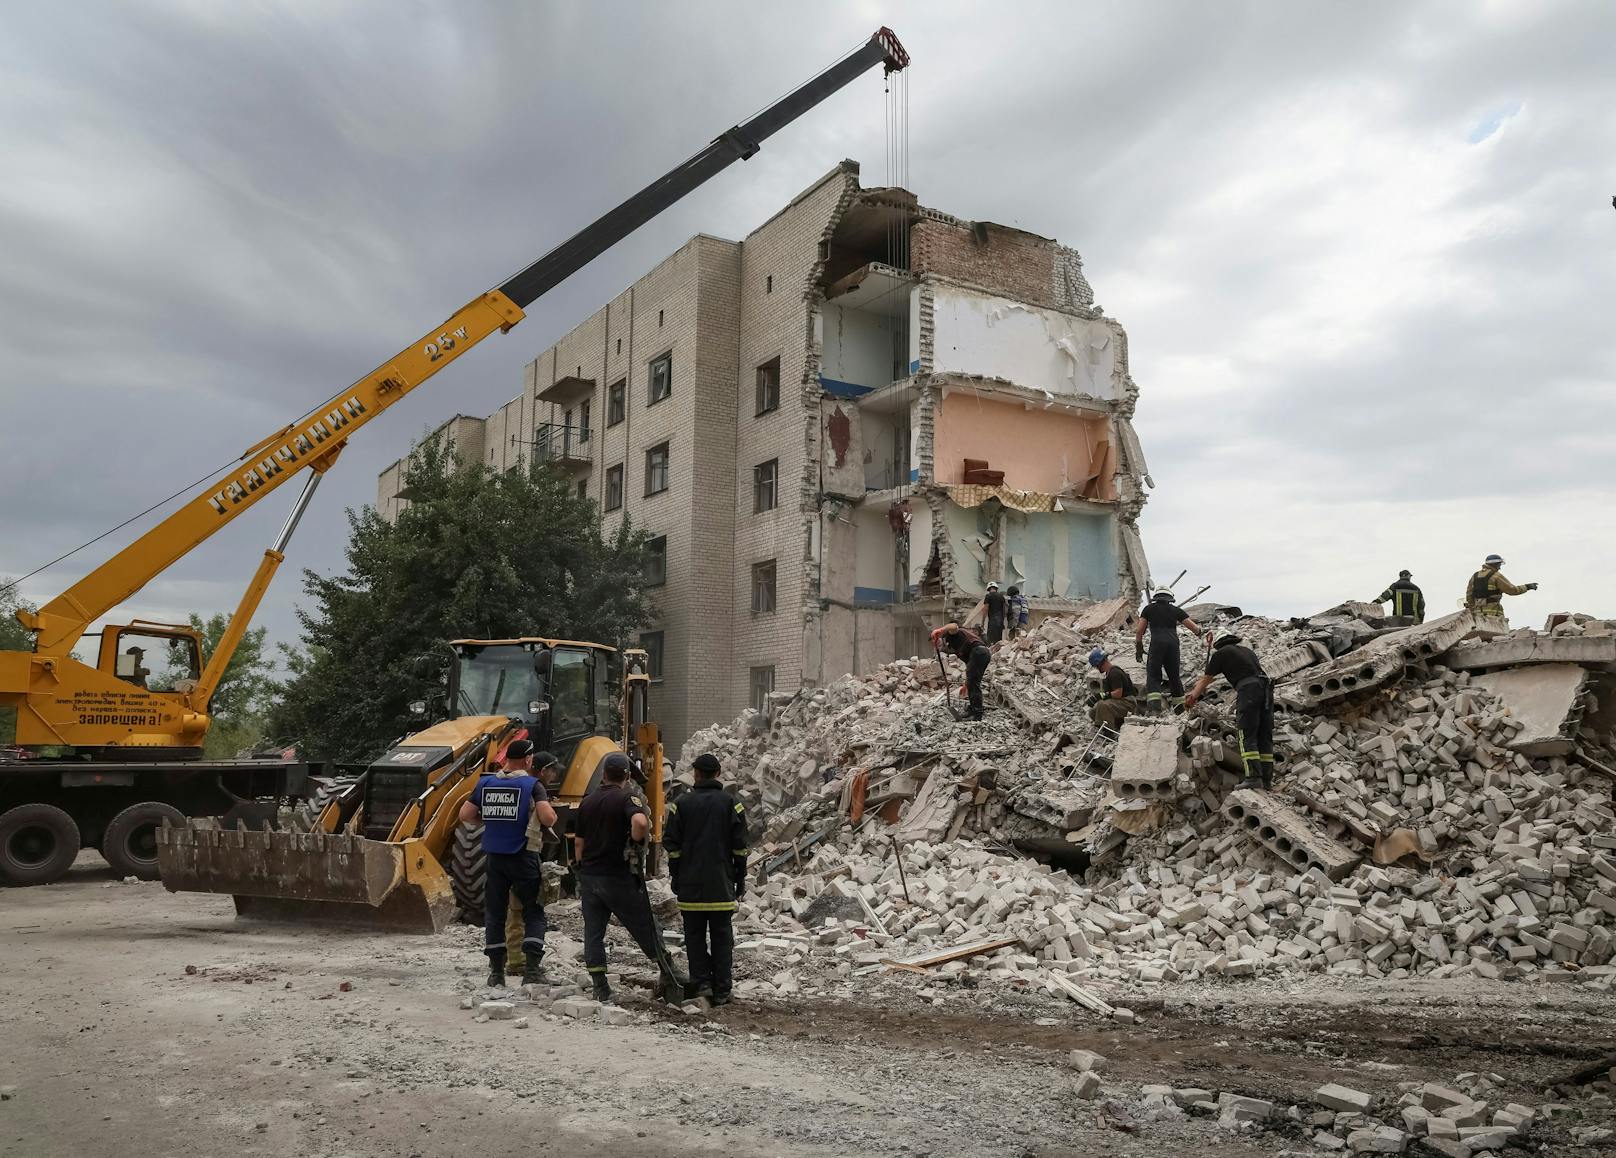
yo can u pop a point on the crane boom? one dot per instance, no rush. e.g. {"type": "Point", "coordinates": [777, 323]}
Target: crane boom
{"type": "Point", "coordinates": [106, 710]}
{"type": "Point", "coordinates": [315, 440]}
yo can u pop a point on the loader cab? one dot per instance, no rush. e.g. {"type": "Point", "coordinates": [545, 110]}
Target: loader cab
{"type": "Point", "coordinates": [562, 691]}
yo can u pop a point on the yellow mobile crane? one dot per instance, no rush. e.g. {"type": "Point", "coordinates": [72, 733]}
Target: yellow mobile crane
{"type": "Point", "coordinates": [118, 759]}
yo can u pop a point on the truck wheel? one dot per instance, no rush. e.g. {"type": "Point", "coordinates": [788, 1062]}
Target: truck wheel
{"type": "Point", "coordinates": [468, 865]}
{"type": "Point", "coordinates": [38, 843]}
{"type": "Point", "coordinates": [130, 845]}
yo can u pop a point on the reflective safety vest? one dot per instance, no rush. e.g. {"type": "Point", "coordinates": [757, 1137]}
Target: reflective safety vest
{"type": "Point", "coordinates": [1405, 598]}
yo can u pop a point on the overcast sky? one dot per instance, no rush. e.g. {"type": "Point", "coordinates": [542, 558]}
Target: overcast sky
{"type": "Point", "coordinates": [1365, 254]}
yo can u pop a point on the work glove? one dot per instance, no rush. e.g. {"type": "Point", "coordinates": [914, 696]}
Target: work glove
{"type": "Point", "coordinates": [740, 889]}
{"type": "Point", "coordinates": [1139, 651]}
{"type": "Point", "coordinates": [1531, 586]}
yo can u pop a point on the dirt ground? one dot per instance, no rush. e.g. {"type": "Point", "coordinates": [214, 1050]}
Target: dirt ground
{"type": "Point", "coordinates": [112, 1045]}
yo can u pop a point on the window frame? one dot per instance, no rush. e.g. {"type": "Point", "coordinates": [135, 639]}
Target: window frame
{"type": "Point", "coordinates": [652, 398]}
{"type": "Point", "coordinates": [665, 447]}
{"type": "Point", "coordinates": [660, 542]}
{"type": "Point", "coordinates": [655, 656]}
{"type": "Point", "coordinates": [770, 567]}
{"type": "Point", "coordinates": [622, 486]}
{"type": "Point", "coordinates": [584, 408]}
{"type": "Point", "coordinates": [617, 403]}
{"type": "Point", "coordinates": [758, 702]}
{"type": "Point", "coordinates": [773, 466]}
{"type": "Point", "coordinates": [761, 401]}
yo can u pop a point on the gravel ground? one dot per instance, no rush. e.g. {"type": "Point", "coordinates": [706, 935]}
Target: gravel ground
{"type": "Point", "coordinates": [160, 1025]}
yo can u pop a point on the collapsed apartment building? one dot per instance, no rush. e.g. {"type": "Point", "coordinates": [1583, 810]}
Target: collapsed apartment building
{"type": "Point", "coordinates": [1443, 807]}
{"type": "Point", "coordinates": [838, 431]}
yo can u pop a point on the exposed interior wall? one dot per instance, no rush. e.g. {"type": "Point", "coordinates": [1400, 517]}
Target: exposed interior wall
{"type": "Point", "coordinates": [875, 569]}
{"type": "Point", "coordinates": [883, 456]}
{"type": "Point", "coordinates": [858, 350]}
{"type": "Point", "coordinates": [1051, 554]}
{"type": "Point", "coordinates": [919, 541]}
{"type": "Point", "coordinates": [1061, 554]}
{"type": "Point", "coordinates": [842, 453]}
{"type": "Point", "coordinates": [1028, 345]}
{"type": "Point", "coordinates": [872, 639]}
{"type": "Point", "coordinates": [1039, 450]}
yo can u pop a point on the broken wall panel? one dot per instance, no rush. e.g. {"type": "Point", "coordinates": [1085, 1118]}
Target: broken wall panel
{"type": "Point", "coordinates": [1026, 344]}
{"type": "Point", "coordinates": [1048, 451]}
{"type": "Point", "coordinates": [1004, 260]}
{"type": "Point", "coordinates": [1546, 700]}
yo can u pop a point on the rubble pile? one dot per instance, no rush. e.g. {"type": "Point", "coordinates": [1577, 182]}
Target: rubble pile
{"type": "Point", "coordinates": [1442, 808]}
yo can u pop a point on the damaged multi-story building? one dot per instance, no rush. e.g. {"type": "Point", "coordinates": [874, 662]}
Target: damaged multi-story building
{"type": "Point", "coordinates": [839, 430]}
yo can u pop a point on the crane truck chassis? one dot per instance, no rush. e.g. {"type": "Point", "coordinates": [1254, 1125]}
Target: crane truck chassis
{"type": "Point", "coordinates": [116, 758]}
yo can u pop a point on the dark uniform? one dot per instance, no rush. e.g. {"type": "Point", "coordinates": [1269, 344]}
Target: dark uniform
{"type": "Point", "coordinates": [707, 847]}
{"type": "Point", "coordinates": [607, 886]}
{"type": "Point", "coordinates": [1254, 707]}
{"type": "Point", "coordinates": [1406, 600]}
{"type": "Point", "coordinates": [968, 646]}
{"type": "Point", "coordinates": [1111, 711]}
{"type": "Point", "coordinates": [1162, 668]}
{"type": "Point", "coordinates": [995, 604]}
{"type": "Point", "coordinates": [506, 805]}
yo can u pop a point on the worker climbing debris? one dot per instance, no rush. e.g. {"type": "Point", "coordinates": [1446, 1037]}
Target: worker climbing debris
{"type": "Point", "coordinates": [1163, 676]}
{"type": "Point", "coordinates": [973, 651]}
{"type": "Point", "coordinates": [1119, 697]}
{"type": "Point", "coordinates": [1484, 597]}
{"type": "Point", "coordinates": [1254, 705]}
{"type": "Point", "coordinates": [1407, 601]}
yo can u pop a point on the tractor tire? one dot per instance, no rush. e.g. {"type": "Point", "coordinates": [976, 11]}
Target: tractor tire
{"type": "Point", "coordinates": [307, 810]}
{"type": "Point", "coordinates": [130, 844]}
{"type": "Point", "coordinates": [38, 844]}
{"type": "Point", "coordinates": [468, 869]}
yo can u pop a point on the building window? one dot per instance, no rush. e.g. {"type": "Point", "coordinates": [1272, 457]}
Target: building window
{"type": "Point", "coordinates": [763, 586]}
{"type": "Point", "coordinates": [620, 345]}
{"type": "Point", "coordinates": [614, 487]}
{"type": "Point", "coordinates": [762, 687]}
{"type": "Point", "coordinates": [583, 488]}
{"type": "Point", "coordinates": [651, 644]}
{"type": "Point", "coordinates": [765, 479]}
{"type": "Point", "coordinates": [768, 284]}
{"type": "Point", "coordinates": [656, 469]}
{"type": "Point", "coordinates": [616, 401]}
{"type": "Point", "coordinates": [583, 421]}
{"type": "Point", "coordinates": [659, 319]}
{"type": "Point", "coordinates": [661, 379]}
{"type": "Point", "coordinates": [768, 386]}
{"type": "Point", "coordinates": [656, 561]}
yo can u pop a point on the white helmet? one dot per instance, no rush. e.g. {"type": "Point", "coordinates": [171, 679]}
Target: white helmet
{"type": "Point", "coordinates": [1162, 596]}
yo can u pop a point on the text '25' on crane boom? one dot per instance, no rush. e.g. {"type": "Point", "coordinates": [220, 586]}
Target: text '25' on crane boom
{"type": "Point", "coordinates": [116, 759]}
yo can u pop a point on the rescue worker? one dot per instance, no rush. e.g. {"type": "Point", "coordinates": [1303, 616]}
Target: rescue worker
{"type": "Point", "coordinates": [1485, 596]}
{"type": "Point", "coordinates": [546, 771]}
{"type": "Point", "coordinates": [1254, 705]}
{"type": "Point", "coordinates": [990, 613]}
{"type": "Point", "coordinates": [507, 802]}
{"type": "Point", "coordinates": [1162, 671]}
{"type": "Point", "coordinates": [1121, 696]}
{"type": "Point", "coordinates": [1019, 614]}
{"type": "Point", "coordinates": [609, 835]}
{"type": "Point", "coordinates": [969, 647]}
{"type": "Point", "coordinates": [1406, 599]}
{"type": "Point", "coordinates": [706, 842]}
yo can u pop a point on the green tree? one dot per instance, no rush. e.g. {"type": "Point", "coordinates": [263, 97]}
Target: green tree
{"type": "Point", "coordinates": [12, 638]}
{"type": "Point", "coordinates": [475, 554]}
{"type": "Point", "coordinates": [241, 702]}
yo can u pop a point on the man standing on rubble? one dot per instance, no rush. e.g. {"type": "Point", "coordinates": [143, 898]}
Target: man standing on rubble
{"type": "Point", "coordinates": [609, 834]}
{"type": "Point", "coordinates": [1406, 599]}
{"type": "Point", "coordinates": [1485, 596]}
{"type": "Point", "coordinates": [1121, 696]}
{"type": "Point", "coordinates": [1254, 705]}
{"type": "Point", "coordinates": [506, 802]}
{"type": "Point", "coordinates": [990, 613]}
{"type": "Point", "coordinates": [973, 652]}
{"type": "Point", "coordinates": [706, 842]}
{"type": "Point", "coordinates": [1162, 671]}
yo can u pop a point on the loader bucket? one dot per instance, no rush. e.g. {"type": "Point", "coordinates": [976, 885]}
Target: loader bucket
{"type": "Point", "coordinates": [310, 877]}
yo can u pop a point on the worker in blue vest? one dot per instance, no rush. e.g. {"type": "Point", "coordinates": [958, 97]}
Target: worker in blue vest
{"type": "Point", "coordinates": [506, 802]}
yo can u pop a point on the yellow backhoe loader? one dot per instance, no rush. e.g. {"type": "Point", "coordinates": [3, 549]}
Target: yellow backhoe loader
{"type": "Point", "coordinates": [388, 852]}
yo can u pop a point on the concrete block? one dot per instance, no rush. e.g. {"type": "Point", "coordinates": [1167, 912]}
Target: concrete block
{"type": "Point", "coordinates": [1085, 1060]}
{"type": "Point", "coordinates": [1267, 819]}
{"type": "Point", "coordinates": [578, 1007]}
{"type": "Point", "coordinates": [498, 1010]}
{"type": "Point", "coordinates": [1146, 759]}
{"type": "Point", "coordinates": [1087, 1086]}
{"type": "Point", "coordinates": [1439, 1099]}
{"type": "Point", "coordinates": [1344, 1099]}
{"type": "Point", "coordinates": [1244, 1109]}
{"type": "Point", "coordinates": [1379, 662]}
{"type": "Point", "coordinates": [615, 1015]}
{"type": "Point", "coordinates": [1546, 700]}
{"type": "Point", "coordinates": [1529, 648]}
{"type": "Point", "coordinates": [1377, 1140]}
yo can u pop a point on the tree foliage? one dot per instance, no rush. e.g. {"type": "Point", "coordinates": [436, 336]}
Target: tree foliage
{"type": "Point", "coordinates": [474, 554]}
{"type": "Point", "coordinates": [241, 703]}
{"type": "Point", "coordinates": [12, 638]}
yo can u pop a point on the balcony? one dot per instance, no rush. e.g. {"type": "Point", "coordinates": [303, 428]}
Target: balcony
{"type": "Point", "coordinates": [566, 446]}
{"type": "Point", "coordinates": [567, 390]}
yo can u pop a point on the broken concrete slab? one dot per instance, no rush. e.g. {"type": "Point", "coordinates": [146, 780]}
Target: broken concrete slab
{"type": "Point", "coordinates": [1533, 648]}
{"type": "Point", "coordinates": [1546, 700]}
{"type": "Point", "coordinates": [1266, 819]}
{"type": "Point", "coordinates": [1146, 759]}
{"type": "Point", "coordinates": [1379, 662]}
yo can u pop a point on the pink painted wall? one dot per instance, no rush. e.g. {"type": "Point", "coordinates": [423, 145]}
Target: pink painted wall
{"type": "Point", "coordinates": [1038, 450]}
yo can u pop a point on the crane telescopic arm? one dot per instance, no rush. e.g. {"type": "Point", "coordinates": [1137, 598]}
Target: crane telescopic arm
{"type": "Point", "coordinates": [314, 442]}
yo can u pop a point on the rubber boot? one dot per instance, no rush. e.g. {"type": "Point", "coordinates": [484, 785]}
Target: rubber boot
{"type": "Point", "coordinates": [533, 971]}
{"type": "Point", "coordinates": [496, 970]}
{"type": "Point", "coordinates": [603, 988]}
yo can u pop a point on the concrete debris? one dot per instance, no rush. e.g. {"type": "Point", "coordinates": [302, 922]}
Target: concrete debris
{"type": "Point", "coordinates": [1418, 825]}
